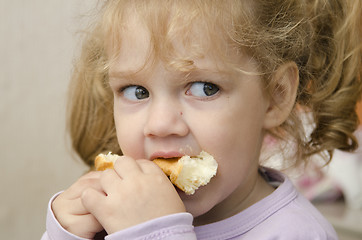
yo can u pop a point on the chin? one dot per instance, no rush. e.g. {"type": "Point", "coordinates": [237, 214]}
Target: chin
{"type": "Point", "coordinates": [198, 203]}
{"type": "Point", "coordinates": [196, 210]}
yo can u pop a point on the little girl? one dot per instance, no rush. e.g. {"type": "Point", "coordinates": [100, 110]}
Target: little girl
{"type": "Point", "coordinates": [169, 78]}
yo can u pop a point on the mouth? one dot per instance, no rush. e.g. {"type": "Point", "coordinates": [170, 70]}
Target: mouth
{"type": "Point", "coordinates": [166, 155]}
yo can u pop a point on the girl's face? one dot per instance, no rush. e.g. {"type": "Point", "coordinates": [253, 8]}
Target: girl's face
{"type": "Point", "coordinates": [162, 112]}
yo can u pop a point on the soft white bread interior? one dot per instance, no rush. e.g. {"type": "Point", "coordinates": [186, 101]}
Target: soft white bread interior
{"type": "Point", "coordinates": [187, 173]}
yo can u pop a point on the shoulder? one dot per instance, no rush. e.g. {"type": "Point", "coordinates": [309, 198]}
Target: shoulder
{"type": "Point", "coordinates": [300, 220]}
{"type": "Point", "coordinates": [284, 214]}
{"type": "Point", "coordinates": [296, 217]}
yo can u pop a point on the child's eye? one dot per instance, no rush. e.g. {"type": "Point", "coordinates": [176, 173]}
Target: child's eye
{"type": "Point", "coordinates": [202, 89]}
{"type": "Point", "coordinates": [135, 93]}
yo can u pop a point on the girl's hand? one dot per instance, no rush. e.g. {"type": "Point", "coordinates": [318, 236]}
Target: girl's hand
{"type": "Point", "coordinates": [136, 191]}
{"type": "Point", "coordinates": [70, 212]}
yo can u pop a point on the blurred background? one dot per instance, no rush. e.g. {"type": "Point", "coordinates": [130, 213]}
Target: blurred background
{"type": "Point", "coordinates": [38, 43]}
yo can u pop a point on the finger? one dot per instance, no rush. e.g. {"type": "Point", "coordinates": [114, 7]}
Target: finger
{"type": "Point", "coordinates": [109, 180]}
{"type": "Point", "coordinates": [92, 201]}
{"type": "Point", "coordinates": [126, 166]}
{"type": "Point", "coordinates": [87, 226]}
{"type": "Point", "coordinates": [75, 207]}
{"type": "Point", "coordinates": [66, 209]}
{"type": "Point", "coordinates": [148, 166]}
{"type": "Point", "coordinates": [91, 174]}
{"type": "Point", "coordinates": [76, 190]}
{"type": "Point", "coordinates": [93, 224]}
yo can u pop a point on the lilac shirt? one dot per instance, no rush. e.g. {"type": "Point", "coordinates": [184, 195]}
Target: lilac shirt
{"type": "Point", "coordinates": [285, 214]}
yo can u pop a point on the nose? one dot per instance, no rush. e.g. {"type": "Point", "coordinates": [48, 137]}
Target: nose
{"type": "Point", "coordinates": [165, 118]}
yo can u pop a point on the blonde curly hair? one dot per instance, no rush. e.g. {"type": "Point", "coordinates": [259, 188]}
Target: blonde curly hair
{"type": "Point", "coordinates": [323, 37]}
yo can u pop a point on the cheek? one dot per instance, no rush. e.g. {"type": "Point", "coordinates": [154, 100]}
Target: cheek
{"type": "Point", "coordinates": [236, 159]}
{"type": "Point", "coordinates": [129, 135]}
{"type": "Point", "coordinates": [235, 143]}
{"type": "Point", "coordinates": [228, 135]}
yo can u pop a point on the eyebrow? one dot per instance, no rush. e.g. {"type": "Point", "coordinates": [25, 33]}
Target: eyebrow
{"type": "Point", "coordinates": [128, 75]}
{"type": "Point", "coordinates": [183, 76]}
{"type": "Point", "coordinates": [122, 74]}
{"type": "Point", "coordinates": [201, 73]}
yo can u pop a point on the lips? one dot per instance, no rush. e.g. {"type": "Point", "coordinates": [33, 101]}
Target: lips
{"type": "Point", "coordinates": [164, 154]}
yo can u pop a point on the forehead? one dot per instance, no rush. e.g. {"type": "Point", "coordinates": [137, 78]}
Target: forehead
{"type": "Point", "coordinates": [144, 36]}
{"type": "Point", "coordinates": [134, 45]}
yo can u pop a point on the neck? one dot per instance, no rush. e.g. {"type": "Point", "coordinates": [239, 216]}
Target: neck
{"type": "Point", "coordinates": [242, 198]}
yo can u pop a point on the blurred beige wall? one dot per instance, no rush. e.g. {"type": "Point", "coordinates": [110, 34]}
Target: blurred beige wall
{"type": "Point", "coordinates": [38, 40]}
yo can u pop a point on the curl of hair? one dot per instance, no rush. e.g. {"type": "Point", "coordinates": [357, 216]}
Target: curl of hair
{"type": "Point", "coordinates": [90, 106]}
{"type": "Point", "coordinates": [334, 70]}
{"type": "Point", "coordinates": [324, 38]}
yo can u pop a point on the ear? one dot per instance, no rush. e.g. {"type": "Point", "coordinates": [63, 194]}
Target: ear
{"type": "Point", "coordinates": [284, 91]}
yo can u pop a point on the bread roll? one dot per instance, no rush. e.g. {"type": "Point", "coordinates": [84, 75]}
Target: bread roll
{"type": "Point", "coordinates": [103, 161]}
{"type": "Point", "coordinates": [187, 173]}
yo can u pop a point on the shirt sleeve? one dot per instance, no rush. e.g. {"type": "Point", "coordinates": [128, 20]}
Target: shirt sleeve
{"type": "Point", "coordinates": [54, 231]}
{"type": "Point", "coordinates": [176, 226]}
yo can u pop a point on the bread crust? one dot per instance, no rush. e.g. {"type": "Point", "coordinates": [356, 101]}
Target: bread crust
{"type": "Point", "coordinates": [169, 166]}
{"type": "Point", "coordinates": [102, 162]}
